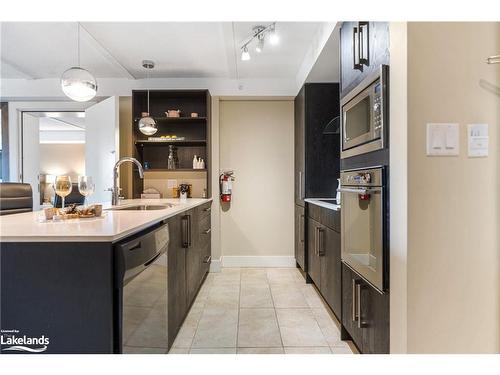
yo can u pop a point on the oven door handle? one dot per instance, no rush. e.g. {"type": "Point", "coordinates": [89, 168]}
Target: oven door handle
{"type": "Point", "coordinates": [359, 191]}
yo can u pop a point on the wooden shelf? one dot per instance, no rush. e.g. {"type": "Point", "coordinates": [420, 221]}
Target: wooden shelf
{"type": "Point", "coordinates": [176, 119]}
{"type": "Point", "coordinates": [168, 143]}
{"type": "Point", "coordinates": [174, 170]}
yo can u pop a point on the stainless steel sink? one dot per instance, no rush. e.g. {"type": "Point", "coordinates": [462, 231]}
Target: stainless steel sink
{"type": "Point", "coordinates": [142, 207]}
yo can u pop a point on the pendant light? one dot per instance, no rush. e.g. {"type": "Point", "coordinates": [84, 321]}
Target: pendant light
{"type": "Point", "coordinates": [77, 83]}
{"type": "Point", "coordinates": [147, 125]}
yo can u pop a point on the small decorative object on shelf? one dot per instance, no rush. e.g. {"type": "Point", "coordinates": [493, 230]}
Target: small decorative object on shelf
{"type": "Point", "coordinates": [194, 114]}
{"type": "Point", "coordinates": [173, 160]}
{"type": "Point", "coordinates": [195, 162]}
{"type": "Point", "coordinates": [173, 113]}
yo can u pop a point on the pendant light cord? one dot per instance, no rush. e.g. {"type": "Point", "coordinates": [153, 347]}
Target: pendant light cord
{"type": "Point", "coordinates": [78, 41]}
{"type": "Point", "coordinates": [147, 79]}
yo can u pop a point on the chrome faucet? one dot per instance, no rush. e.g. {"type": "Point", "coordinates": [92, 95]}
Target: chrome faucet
{"type": "Point", "coordinates": [115, 193]}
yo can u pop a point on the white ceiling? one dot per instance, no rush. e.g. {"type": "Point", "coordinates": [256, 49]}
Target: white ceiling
{"type": "Point", "coordinates": [201, 53]}
{"type": "Point", "coordinates": [202, 49]}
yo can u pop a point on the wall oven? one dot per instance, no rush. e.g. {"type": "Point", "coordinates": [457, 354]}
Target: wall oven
{"type": "Point", "coordinates": [363, 223]}
{"type": "Point", "coordinates": [364, 115]}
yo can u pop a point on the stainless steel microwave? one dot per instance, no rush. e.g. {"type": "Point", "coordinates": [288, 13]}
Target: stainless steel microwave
{"type": "Point", "coordinates": [365, 115]}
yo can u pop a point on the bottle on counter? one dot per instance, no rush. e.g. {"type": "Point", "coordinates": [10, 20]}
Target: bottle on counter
{"type": "Point", "coordinates": [202, 164]}
{"type": "Point", "coordinates": [195, 162]}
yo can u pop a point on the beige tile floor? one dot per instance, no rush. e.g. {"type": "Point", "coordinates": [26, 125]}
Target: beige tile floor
{"type": "Point", "coordinates": [259, 311]}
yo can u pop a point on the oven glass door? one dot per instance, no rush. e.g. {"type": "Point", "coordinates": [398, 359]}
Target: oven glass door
{"type": "Point", "coordinates": [357, 120]}
{"type": "Point", "coordinates": [362, 233]}
{"type": "Point", "coordinates": [145, 325]}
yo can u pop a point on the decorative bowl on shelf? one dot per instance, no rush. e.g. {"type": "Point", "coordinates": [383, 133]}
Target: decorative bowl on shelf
{"type": "Point", "coordinates": [173, 113]}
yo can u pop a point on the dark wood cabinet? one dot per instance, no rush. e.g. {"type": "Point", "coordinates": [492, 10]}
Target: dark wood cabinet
{"type": "Point", "coordinates": [192, 134]}
{"type": "Point", "coordinates": [331, 276]}
{"type": "Point", "coordinates": [365, 313]}
{"type": "Point", "coordinates": [189, 256]}
{"type": "Point", "coordinates": [300, 222]}
{"type": "Point", "coordinates": [313, 257]}
{"type": "Point", "coordinates": [364, 46]}
{"type": "Point", "coordinates": [317, 151]}
{"type": "Point", "coordinates": [177, 290]}
{"type": "Point", "coordinates": [197, 248]}
{"type": "Point", "coordinates": [323, 254]}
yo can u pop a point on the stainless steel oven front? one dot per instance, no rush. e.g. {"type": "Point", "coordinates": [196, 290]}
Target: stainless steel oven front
{"type": "Point", "coordinates": [363, 223]}
{"type": "Point", "coordinates": [364, 115]}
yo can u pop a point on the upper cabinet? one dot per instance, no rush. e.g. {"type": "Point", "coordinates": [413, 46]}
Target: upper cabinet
{"type": "Point", "coordinates": [317, 148]}
{"type": "Point", "coordinates": [364, 46]}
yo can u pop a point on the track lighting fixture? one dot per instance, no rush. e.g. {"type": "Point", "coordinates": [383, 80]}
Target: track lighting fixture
{"type": "Point", "coordinates": [259, 35]}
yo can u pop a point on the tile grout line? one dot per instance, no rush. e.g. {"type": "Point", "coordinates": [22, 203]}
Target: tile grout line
{"type": "Point", "coordinates": [275, 313]}
{"type": "Point", "coordinates": [201, 315]}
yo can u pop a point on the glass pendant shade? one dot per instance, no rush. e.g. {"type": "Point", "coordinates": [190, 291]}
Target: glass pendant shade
{"type": "Point", "coordinates": [79, 84]}
{"type": "Point", "coordinates": [147, 126]}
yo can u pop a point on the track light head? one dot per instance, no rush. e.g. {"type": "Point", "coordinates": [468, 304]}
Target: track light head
{"type": "Point", "coordinates": [245, 55]}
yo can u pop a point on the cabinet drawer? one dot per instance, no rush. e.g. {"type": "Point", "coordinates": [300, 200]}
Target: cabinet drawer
{"type": "Point", "coordinates": [205, 231]}
{"type": "Point", "coordinates": [204, 210]}
{"type": "Point", "coordinates": [328, 218]}
{"type": "Point", "coordinates": [314, 212]}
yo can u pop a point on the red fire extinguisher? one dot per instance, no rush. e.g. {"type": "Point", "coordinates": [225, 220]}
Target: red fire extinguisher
{"type": "Point", "coordinates": [226, 186]}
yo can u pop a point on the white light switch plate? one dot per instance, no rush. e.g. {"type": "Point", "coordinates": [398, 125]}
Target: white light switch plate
{"type": "Point", "coordinates": [443, 139]}
{"type": "Point", "coordinates": [478, 139]}
{"type": "Point", "coordinates": [171, 184]}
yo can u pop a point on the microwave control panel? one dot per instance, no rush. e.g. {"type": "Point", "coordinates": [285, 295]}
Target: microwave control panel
{"type": "Point", "coordinates": [377, 108]}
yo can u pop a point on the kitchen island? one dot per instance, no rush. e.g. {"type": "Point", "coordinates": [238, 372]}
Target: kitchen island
{"type": "Point", "coordinates": [65, 280]}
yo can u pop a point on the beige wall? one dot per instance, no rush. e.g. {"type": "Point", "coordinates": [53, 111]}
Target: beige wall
{"type": "Point", "coordinates": [453, 203]}
{"type": "Point", "coordinates": [399, 187]}
{"type": "Point", "coordinates": [256, 140]}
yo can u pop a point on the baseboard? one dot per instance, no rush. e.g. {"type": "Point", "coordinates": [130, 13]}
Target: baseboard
{"type": "Point", "coordinates": [216, 265]}
{"type": "Point", "coordinates": [258, 261]}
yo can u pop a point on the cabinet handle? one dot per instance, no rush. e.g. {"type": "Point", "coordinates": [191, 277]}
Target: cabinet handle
{"type": "Point", "coordinates": [300, 186]}
{"type": "Point", "coordinates": [316, 241]}
{"type": "Point", "coordinates": [363, 43]}
{"type": "Point", "coordinates": [189, 231]}
{"type": "Point", "coordinates": [184, 230]}
{"type": "Point", "coordinates": [355, 50]}
{"type": "Point", "coordinates": [358, 304]}
{"type": "Point", "coordinates": [207, 259]}
{"type": "Point", "coordinates": [354, 301]}
{"type": "Point", "coordinates": [208, 209]}
{"type": "Point", "coordinates": [301, 228]}
{"type": "Point", "coordinates": [207, 231]}
{"type": "Point", "coordinates": [321, 242]}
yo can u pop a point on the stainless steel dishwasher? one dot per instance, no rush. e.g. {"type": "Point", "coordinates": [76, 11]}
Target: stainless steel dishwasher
{"type": "Point", "coordinates": [141, 292]}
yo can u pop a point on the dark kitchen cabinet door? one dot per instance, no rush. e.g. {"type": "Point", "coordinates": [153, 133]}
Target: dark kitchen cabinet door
{"type": "Point", "coordinates": [177, 292]}
{"type": "Point", "coordinates": [376, 42]}
{"type": "Point", "coordinates": [300, 256]}
{"type": "Point", "coordinates": [349, 284]}
{"type": "Point", "coordinates": [193, 256]}
{"type": "Point", "coordinates": [331, 272]}
{"type": "Point", "coordinates": [374, 320]}
{"type": "Point", "coordinates": [300, 139]}
{"type": "Point", "coordinates": [368, 323]}
{"type": "Point", "coordinates": [313, 259]}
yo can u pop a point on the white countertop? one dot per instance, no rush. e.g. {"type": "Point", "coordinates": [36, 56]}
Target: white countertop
{"type": "Point", "coordinates": [320, 202]}
{"type": "Point", "coordinates": [112, 226]}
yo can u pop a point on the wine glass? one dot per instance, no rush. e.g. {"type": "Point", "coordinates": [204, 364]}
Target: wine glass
{"type": "Point", "coordinates": [86, 186]}
{"type": "Point", "coordinates": [63, 187]}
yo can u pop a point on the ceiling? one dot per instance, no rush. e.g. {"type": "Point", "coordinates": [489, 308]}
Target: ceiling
{"type": "Point", "coordinates": [39, 50]}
